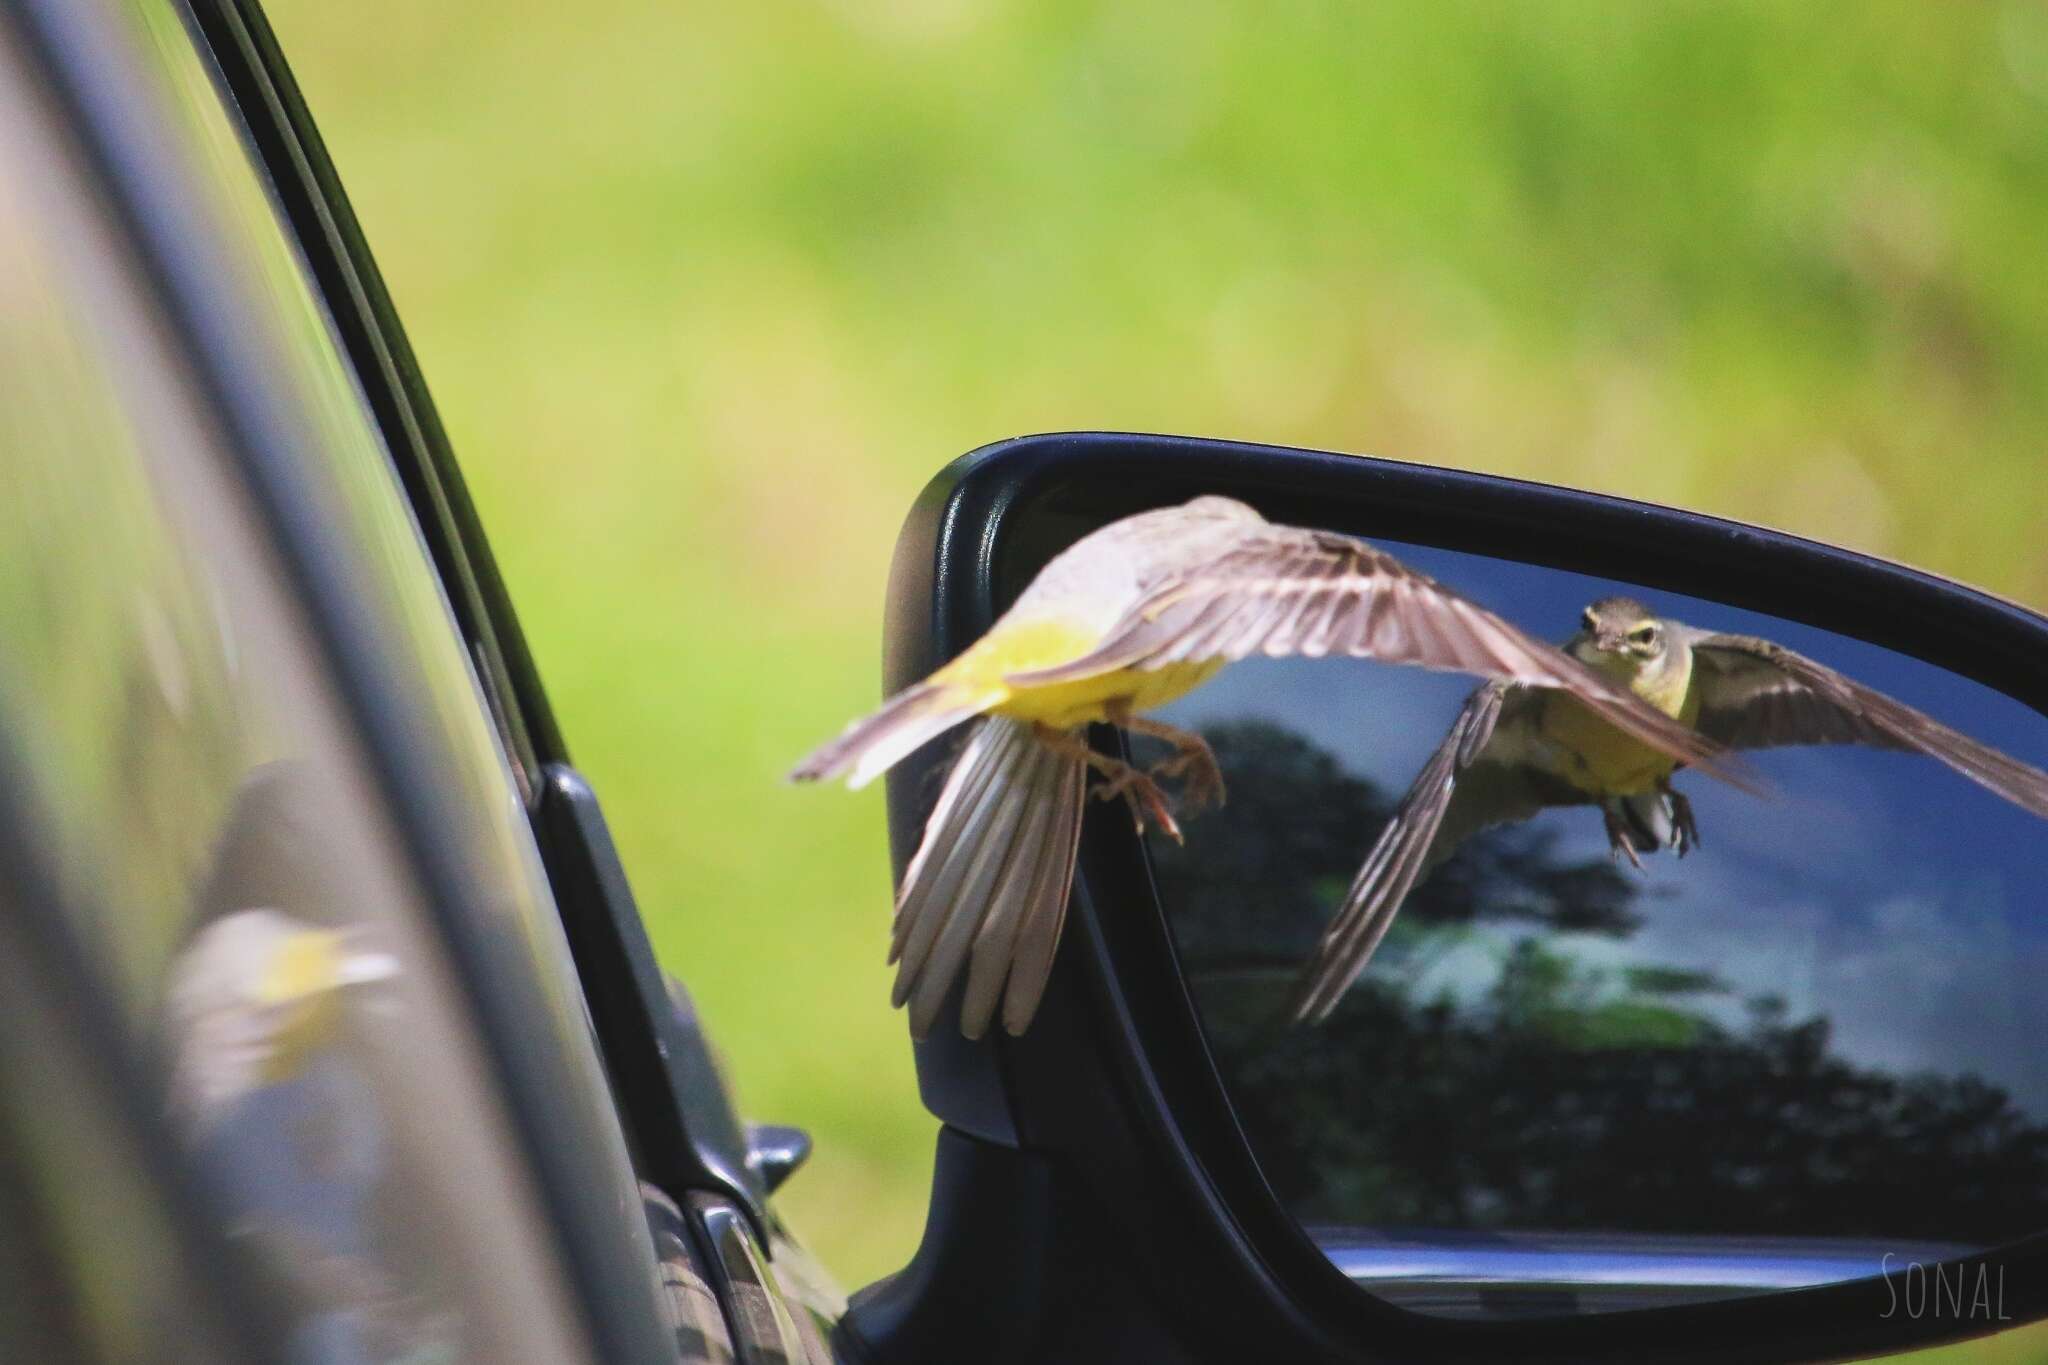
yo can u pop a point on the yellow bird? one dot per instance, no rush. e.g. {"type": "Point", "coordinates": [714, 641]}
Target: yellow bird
{"type": "Point", "coordinates": [1514, 751]}
{"type": "Point", "coordinates": [1127, 619]}
{"type": "Point", "coordinates": [252, 997]}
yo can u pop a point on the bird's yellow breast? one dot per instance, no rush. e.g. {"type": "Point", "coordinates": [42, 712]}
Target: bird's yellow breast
{"type": "Point", "coordinates": [1088, 699]}
{"type": "Point", "coordinates": [1596, 757]}
{"type": "Point", "coordinates": [987, 665]}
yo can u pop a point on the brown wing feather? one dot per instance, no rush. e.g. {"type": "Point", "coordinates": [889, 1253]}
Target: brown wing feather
{"type": "Point", "coordinates": [1461, 790]}
{"type": "Point", "coordinates": [988, 886]}
{"type": "Point", "coordinates": [1755, 694]}
{"type": "Point", "coordinates": [1283, 590]}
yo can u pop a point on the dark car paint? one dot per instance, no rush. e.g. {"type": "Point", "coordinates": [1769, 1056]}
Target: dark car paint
{"type": "Point", "coordinates": [672, 1097]}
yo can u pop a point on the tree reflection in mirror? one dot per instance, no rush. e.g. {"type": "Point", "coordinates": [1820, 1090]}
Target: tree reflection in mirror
{"type": "Point", "coordinates": [1565, 1086]}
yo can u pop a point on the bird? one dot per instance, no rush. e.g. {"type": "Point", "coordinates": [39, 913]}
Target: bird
{"type": "Point", "coordinates": [1131, 616]}
{"type": "Point", "coordinates": [287, 1122]}
{"type": "Point", "coordinates": [1515, 750]}
{"type": "Point", "coordinates": [252, 998]}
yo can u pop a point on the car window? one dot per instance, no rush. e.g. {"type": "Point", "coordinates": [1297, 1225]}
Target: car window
{"type": "Point", "coordinates": [92, 1264]}
{"type": "Point", "coordinates": [228, 866]}
{"type": "Point", "coordinates": [353, 472]}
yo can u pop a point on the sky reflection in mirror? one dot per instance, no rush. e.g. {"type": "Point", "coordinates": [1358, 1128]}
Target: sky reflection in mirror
{"type": "Point", "coordinates": [1806, 1044]}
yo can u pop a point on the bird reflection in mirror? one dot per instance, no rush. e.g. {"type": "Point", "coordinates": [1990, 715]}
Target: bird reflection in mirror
{"type": "Point", "coordinates": [1516, 750]}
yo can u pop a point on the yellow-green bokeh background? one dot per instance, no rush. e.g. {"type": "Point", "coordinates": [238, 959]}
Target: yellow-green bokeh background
{"type": "Point", "coordinates": [706, 292]}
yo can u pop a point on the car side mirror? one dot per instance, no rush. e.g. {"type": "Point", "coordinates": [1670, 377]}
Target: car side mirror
{"type": "Point", "coordinates": [1775, 1098]}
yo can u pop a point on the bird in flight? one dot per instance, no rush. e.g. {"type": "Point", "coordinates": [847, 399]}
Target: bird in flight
{"type": "Point", "coordinates": [1128, 618]}
{"type": "Point", "coordinates": [1515, 750]}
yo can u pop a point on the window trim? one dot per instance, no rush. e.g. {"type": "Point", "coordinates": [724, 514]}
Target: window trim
{"type": "Point", "coordinates": [345, 275]}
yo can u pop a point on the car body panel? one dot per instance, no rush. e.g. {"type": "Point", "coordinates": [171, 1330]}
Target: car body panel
{"type": "Point", "coordinates": [442, 727]}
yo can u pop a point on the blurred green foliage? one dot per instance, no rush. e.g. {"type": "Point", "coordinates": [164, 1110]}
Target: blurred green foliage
{"type": "Point", "coordinates": [707, 292]}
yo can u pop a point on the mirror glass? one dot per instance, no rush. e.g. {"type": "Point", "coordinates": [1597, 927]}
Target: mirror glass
{"type": "Point", "coordinates": [1805, 1052]}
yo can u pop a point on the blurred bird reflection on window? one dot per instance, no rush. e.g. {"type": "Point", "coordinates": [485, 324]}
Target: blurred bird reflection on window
{"type": "Point", "coordinates": [266, 1012]}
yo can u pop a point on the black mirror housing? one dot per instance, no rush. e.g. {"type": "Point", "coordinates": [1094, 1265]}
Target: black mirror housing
{"type": "Point", "coordinates": [1096, 1195]}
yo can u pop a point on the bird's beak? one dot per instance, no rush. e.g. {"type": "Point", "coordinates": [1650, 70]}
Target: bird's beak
{"type": "Point", "coordinates": [363, 959]}
{"type": "Point", "coordinates": [321, 960]}
{"type": "Point", "coordinates": [361, 969]}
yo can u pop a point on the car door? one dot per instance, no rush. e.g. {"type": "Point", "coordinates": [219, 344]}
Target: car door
{"type": "Point", "coordinates": [297, 1061]}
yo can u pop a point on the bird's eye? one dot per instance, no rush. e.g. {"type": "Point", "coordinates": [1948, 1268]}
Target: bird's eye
{"type": "Point", "coordinates": [1592, 622]}
{"type": "Point", "coordinates": [1643, 635]}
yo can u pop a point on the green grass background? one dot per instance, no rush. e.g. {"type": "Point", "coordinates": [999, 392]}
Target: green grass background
{"type": "Point", "coordinates": [707, 292]}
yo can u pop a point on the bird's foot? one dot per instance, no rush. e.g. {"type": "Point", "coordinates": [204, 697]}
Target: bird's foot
{"type": "Point", "coordinates": [1193, 763]}
{"type": "Point", "coordinates": [1119, 779]}
{"type": "Point", "coordinates": [1199, 774]}
{"type": "Point", "coordinates": [1619, 844]}
{"type": "Point", "coordinates": [1685, 832]}
{"type": "Point", "coordinates": [1137, 788]}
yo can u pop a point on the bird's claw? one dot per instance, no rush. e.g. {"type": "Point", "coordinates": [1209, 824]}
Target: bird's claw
{"type": "Point", "coordinates": [1619, 845]}
{"type": "Point", "coordinates": [1199, 774]}
{"type": "Point", "coordinates": [1193, 762]}
{"type": "Point", "coordinates": [1145, 797]}
{"type": "Point", "coordinates": [1685, 832]}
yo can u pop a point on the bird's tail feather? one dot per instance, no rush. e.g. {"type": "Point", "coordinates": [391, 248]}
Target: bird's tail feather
{"type": "Point", "coordinates": [988, 886]}
{"type": "Point", "coordinates": [877, 741]}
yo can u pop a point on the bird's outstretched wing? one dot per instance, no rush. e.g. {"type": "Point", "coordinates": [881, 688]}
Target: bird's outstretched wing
{"type": "Point", "coordinates": [1755, 694]}
{"type": "Point", "coordinates": [1283, 590]}
{"type": "Point", "coordinates": [1469, 784]}
{"type": "Point", "coordinates": [987, 890]}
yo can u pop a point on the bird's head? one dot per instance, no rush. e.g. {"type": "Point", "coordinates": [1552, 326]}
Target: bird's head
{"type": "Point", "coordinates": [306, 964]}
{"type": "Point", "coordinates": [254, 997]}
{"type": "Point", "coordinates": [299, 978]}
{"type": "Point", "coordinates": [1620, 636]}
{"type": "Point", "coordinates": [1216, 507]}
{"type": "Point", "coordinates": [276, 979]}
